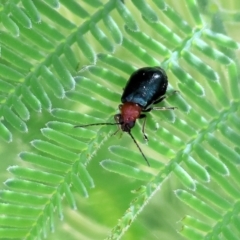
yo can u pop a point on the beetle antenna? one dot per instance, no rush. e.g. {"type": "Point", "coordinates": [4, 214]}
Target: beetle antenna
{"type": "Point", "coordinates": [95, 124]}
{"type": "Point", "coordinates": [139, 148]}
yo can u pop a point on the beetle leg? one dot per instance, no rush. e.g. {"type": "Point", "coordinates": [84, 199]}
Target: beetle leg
{"type": "Point", "coordinates": [119, 107]}
{"type": "Point", "coordinates": [172, 93]}
{"type": "Point", "coordinates": [115, 132]}
{"type": "Point", "coordinates": [163, 97]}
{"type": "Point", "coordinates": [160, 99]}
{"type": "Point", "coordinates": [147, 110]}
{"type": "Point", "coordinates": [159, 108]}
{"type": "Point", "coordinates": [117, 120]}
{"type": "Point", "coordinates": [144, 116]}
{"type": "Point", "coordinates": [163, 108]}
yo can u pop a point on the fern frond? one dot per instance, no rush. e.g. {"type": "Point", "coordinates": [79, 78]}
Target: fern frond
{"type": "Point", "coordinates": [63, 64]}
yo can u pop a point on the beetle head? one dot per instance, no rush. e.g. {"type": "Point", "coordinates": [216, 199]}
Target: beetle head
{"type": "Point", "coordinates": [129, 113]}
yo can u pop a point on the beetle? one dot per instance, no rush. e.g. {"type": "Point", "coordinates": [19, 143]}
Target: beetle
{"type": "Point", "coordinates": [146, 86]}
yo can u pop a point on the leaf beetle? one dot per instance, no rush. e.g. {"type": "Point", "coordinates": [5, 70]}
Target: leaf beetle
{"type": "Point", "coordinates": [146, 86]}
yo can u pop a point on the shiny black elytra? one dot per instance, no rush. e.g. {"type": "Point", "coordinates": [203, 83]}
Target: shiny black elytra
{"type": "Point", "coordinates": [145, 87]}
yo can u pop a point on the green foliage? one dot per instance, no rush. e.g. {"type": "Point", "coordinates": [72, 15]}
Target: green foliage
{"type": "Point", "coordinates": [65, 63]}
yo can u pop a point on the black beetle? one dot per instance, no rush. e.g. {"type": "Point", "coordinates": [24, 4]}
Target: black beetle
{"type": "Point", "coordinates": [145, 87]}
